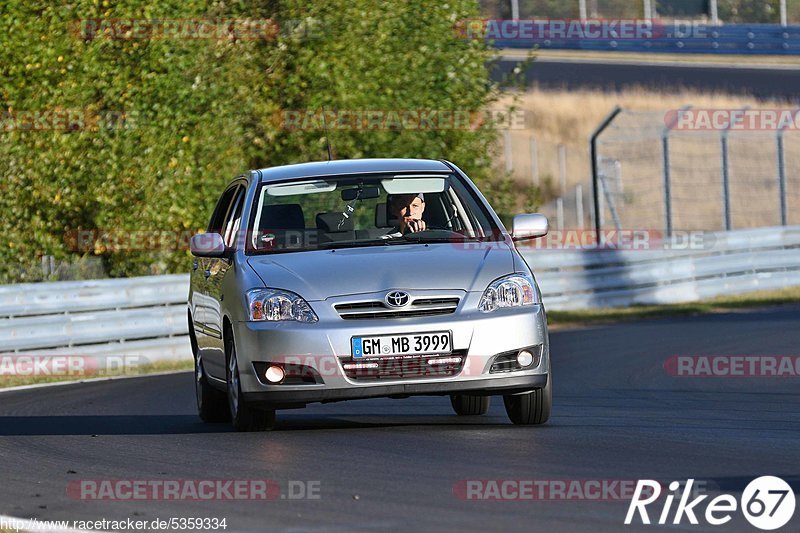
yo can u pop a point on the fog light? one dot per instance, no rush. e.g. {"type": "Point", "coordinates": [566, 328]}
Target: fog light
{"type": "Point", "coordinates": [274, 374]}
{"type": "Point", "coordinates": [524, 358]}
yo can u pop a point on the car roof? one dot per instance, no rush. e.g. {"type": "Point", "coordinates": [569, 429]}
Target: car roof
{"type": "Point", "coordinates": [351, 166]}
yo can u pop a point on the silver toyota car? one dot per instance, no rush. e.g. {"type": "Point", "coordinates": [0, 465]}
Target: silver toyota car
{"type": "Point", "coordinates": [340, 280]}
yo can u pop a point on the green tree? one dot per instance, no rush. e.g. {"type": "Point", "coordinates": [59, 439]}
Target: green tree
{"type": "Point", "coordinates": [190, 114]}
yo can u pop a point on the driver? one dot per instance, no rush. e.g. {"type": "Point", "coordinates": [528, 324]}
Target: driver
{"type": "Point", "coordinates": [408, 209]}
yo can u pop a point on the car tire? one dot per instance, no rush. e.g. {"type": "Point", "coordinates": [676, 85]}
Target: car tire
{"type": "Point", "coordinates": [212, 405]}
{"type": "Point", "coordinates": [469, 405]}
{"type": "Point", "coordinates": [243, 416]}
{"type": "Point", "coordinates": [530, 408]}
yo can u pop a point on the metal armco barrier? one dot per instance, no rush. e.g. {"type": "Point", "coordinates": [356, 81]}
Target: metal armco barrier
{"type": "Point", "coordinates": [770, 39]}
{"type": "Point", "coordinates": [135, 316]}
{"type": "Point", "coordinates": [730, 263]}
{"type": "Point", "coordinates": [147, 315]}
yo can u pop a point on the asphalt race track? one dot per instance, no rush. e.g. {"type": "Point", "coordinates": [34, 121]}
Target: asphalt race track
{"type": "Point", "coordinates": [552, 73]}
{"type": "Point", "coordinates": [385, 464]}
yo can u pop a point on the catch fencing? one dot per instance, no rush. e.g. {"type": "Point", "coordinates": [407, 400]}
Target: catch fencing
{"type": "Point", "coordinates": [147, 315]}
{"type": "Point", "coordinates": [653, 173]}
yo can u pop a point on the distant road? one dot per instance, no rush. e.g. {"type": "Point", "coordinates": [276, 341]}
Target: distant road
{"type": "Point", "coordinates": [578, 73]}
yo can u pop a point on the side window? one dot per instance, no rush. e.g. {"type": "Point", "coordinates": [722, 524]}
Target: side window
{"type": "Point", "coordinates": [234, 218]}
{"type": "Point", "coordinates": [217, 222]}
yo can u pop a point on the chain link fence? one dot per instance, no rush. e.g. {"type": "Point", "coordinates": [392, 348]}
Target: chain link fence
{"type": "Point", "coordinates": [656, 177]}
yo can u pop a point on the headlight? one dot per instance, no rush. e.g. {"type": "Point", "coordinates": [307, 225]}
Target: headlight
{"type": "Point", "coordinates": [275, 305]}
{"type": "Point", "coordinates": [515, 290]}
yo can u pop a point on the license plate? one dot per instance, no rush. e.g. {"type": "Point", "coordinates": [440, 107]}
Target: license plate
{"type": "Point", "coordinates": [438, 342]}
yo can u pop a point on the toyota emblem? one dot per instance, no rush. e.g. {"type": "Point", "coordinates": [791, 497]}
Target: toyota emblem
{"type": "Point", "coordinates": [397, 299]}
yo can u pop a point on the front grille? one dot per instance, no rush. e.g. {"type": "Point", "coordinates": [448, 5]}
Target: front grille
{"type": "Point", "coordinates": [375, 309]}
{"type": "Point", "coordinates": [405, 366]}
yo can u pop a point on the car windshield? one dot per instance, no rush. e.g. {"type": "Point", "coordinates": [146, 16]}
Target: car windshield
{"type": "Point", "coordinates": [366, 210]}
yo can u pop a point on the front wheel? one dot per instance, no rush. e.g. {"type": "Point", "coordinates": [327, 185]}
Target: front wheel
{"type": "Point", "coordinates": [469, 405]}
{"type": "Point", "coordinates": [211, 403]}
{"type": "Point", "coordinates": [530, 408]}
{"type": "Point", "coordinates": [243, 416]}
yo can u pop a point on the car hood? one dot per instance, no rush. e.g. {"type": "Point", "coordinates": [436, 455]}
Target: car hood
{"type": "Point", "coordinates": [320, 274]}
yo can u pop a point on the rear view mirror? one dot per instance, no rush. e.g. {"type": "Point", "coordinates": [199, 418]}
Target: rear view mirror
{"type": "Point", "coordinates": [207, 245]}
{"type": "Point", "coordinates": [529, 227]}
{"type": "Point", "coordinates": [349, 195]}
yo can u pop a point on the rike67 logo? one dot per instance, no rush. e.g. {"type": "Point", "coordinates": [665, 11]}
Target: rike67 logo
{"type": "Point", "coordinates": [767, 503]}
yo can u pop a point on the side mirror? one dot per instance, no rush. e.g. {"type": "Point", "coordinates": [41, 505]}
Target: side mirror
{"type": "Point", "coordinates": [207, 245]}
{"type": "Point", "coordinates": [529, 227]}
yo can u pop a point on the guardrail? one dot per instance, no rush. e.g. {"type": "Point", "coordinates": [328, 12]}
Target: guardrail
{"type": "Point", "coordinates": [135, 316]}
{"type": "Point", "coordinates": [147, 315]}
{"type": "Point", "coordinates": [732, 262]}
{"type": "Point", "coordinates": [770, 39]}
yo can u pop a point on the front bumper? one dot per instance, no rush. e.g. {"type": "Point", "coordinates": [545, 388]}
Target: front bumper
{"type": "Point", "coordinates": [324, 346]}
{"type": "Point", "coordinates": [279, 398]}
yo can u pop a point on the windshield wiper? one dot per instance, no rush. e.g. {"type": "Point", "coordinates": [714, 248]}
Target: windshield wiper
{"type": "Point", "coordinates": [414, 238]}
{"type": "Point", "coordinates": [355, 244]}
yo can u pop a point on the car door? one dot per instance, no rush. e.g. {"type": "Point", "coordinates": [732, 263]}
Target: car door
{"type": "Point", "coordinates": [201, 299]}
{"type": "Point", "coordinates": [216, 269]}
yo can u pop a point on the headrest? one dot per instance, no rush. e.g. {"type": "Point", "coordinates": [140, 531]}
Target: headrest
{"type": "Point", "coordinates": [282, 216]}
{"type": "Point", "coordinates": [383, 218]}
{"type": "Point", "coordinates": [329, 222]}
{"type": "Point", "coordinates": [380, 215]}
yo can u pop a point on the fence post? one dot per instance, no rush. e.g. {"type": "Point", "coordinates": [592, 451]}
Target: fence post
{"type": "Point", "coordinates": [534, 161]}
{"type": "Point", "coordinates": [507, 150]}
{"type": "Point", "coordinates": [667, 176]}
{"type": "Point", "coordinates": [782, 177]}
{"type": "Point", "coordinates": [562, 184]}
{"type": "Point", "coordinates": [560, 213]}
{"type": "Point", "coordinates": [726, 192]}
{"type": "Point", "coordinates": [595, 171]}
{"type": "Point", "coordinates": [667, 190]}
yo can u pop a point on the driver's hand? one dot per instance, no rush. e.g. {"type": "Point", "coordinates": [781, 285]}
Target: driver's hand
{"type": "Point", "coordinates": [414, 225]}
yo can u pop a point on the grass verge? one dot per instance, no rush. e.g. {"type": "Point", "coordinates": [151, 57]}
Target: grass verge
{"type": "Point", "coordinates": [565, 319]}
{"type": "Point", "coordinates": [150, 368]}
